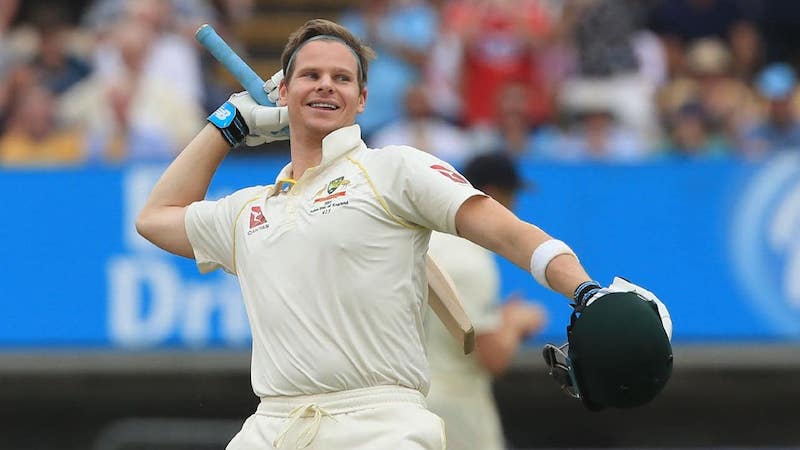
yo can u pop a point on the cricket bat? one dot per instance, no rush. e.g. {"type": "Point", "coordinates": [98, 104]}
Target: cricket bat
{"type": "Point", "coordinates": [442, 294]}
{"type": "Point", "coordinates": [443, 298]}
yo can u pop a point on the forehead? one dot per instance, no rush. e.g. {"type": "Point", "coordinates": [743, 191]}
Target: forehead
{"type": "Point", "coordinates": [326, 53]}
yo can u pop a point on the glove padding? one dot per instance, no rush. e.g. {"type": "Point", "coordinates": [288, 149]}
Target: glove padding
{"type": "Point", "coordinates": [266, 123]}
{"type": "Point", "coordinates": [623, 285]}
{"type": "Point", "coordinates": [271, 86]}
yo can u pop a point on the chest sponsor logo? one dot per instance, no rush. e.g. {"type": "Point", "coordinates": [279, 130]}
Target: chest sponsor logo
{"type": "Point", "coordinates": [330, 196]}
{"type": "Point", "coordinates": [332, 190]}
{"type": "Point", "coordinates": [257, 220]}
{"type": "Point", "coordinates": [449, 173]}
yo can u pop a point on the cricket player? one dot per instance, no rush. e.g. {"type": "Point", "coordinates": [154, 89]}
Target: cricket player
{"type": "Point", "coordinates": [330, 257]}
{"type": "Point", "coordinates": [461, 387]}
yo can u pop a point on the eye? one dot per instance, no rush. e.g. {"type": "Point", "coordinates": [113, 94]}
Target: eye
{"type": "Point", "coordinates": [343, 78]}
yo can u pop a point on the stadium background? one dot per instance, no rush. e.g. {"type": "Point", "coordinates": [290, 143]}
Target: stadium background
{"type": "Point", "coordinates": [107, 343]}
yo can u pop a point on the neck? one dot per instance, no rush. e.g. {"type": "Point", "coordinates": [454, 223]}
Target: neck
{"type": "Point", "coordinates": [306, 152]}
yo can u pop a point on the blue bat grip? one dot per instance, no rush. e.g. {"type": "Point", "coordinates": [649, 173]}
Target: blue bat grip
{"type": "Point", "coordinates": [246, 76]}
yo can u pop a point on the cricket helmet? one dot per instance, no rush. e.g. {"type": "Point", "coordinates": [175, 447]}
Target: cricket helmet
{"type": "Point", "coordinates": [618, 353]}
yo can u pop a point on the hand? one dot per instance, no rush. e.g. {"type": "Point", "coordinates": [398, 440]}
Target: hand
{"type": "Point", "coordinates": [242, 119]}
{"type": "Point", "coordinates": [523, 316]}
{"type": "Point", "coordinates": [623, 285]}
{"type": "Point", "coordinates": [266, 123]}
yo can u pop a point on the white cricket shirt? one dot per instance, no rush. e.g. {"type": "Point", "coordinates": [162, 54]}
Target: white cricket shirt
{"type": "Point", "coordinates": [332, 270]}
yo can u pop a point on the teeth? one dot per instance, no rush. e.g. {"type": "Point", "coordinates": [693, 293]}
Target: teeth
{"type": "Point", "coordinates": [323, 105]}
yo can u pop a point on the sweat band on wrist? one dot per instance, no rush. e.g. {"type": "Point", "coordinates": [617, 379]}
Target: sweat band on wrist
{"type": "Point", "coordinates": [583, 293]}
{"type": "Point", "coordinates": [230, 123]}
{"type": "Point", "coordinates": [542, 256]}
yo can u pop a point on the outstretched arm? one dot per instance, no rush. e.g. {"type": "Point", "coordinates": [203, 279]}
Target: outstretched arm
{"type": "Point", "coordinates": [186, 180]}
{"type": "Point", "coordinates": [489, 224]}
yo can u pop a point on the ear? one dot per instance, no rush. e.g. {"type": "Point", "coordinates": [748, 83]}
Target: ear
{"type": "Point", "coordinates": [282, 89]}
{"type": "Point", "coordinates": [362, 100]}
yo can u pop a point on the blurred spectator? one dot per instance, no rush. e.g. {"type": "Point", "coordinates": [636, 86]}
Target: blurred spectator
{"type": "Point", "coordinates": [498, 40]}
{"type": "Point", "coordinates": [8, 11]}
{"type": "Point", "coordinates": [441, 72]}
{"type": "Point", "coordinates": [172, 56]}
{"type": "Point", "coordinates": [401, 32]}
{"type": "Point", "coordinates": [691, 135]}
{"type": "Point", "coordinates": [596, 134]}
{"type": "Point", "coordinates": [33, 136]}
{"type": "Point", "coordinates": [747, 50]}
{"type": "Point", "coordinates": [8, 55]}
{"type": "Point", "coordinates": [422, 129]}
{"type": "Point", "coordinates": [58, 65]}
{"type": "Point", "coordinates": [133, 114]}
{"type": "Point", "coordinates": [680, 22]}
{"type": "Point", "coordinates": [514, 134]}
{"type": "Point", "coordinates": [620, 65]}
{"type": "Point", "coordinates": [557, 56]}
{"type": "Point", "coordinates": [603, 34]}
{"type": "Point", "coordinates": [709, 81]}
{"type": "Point", "coordinates": [780, 129]}
{"type": "Point", "coordinates": [175, 55]}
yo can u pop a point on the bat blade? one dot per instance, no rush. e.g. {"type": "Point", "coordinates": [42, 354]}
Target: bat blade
{"type": "Point", "coordinates": [443, 298]}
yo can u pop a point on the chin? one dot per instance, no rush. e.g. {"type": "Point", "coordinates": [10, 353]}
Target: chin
{"type": "Point", "coordinates": [323, 127]}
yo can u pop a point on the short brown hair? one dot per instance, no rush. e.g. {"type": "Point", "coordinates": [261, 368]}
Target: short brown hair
{"type": "Point", "coordinates": [322, 27]}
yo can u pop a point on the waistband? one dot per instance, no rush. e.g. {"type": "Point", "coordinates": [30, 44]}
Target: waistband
{"type": "Point", "coordinates": [343, 401]}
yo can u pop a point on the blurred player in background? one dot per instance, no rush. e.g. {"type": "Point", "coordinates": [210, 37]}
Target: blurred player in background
{"type": "Point", "coordinates": [461, 387]}
{"type": "Point", "coordinates": [331, 257]}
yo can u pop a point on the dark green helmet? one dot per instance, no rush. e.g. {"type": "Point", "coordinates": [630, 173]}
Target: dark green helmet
{"type": "Point", "coordinates": [618, 355]}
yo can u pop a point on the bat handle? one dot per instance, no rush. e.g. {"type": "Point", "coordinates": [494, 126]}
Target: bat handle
{"type": "Point", "coordinates": [250, 80]}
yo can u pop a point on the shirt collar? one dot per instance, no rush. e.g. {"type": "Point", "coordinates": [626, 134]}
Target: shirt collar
{"type": "Point", "coordinates": [334, 145]}
{"type": "Point", "coordinates": [339, 142]}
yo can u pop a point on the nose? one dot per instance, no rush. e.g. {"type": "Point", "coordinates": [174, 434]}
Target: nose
{"type": "Point", "coordinates": [325, 83]}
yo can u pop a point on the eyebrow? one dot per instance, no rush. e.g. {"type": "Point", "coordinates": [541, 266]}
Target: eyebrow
{"type": "Point", "coordinates": [349, 71]}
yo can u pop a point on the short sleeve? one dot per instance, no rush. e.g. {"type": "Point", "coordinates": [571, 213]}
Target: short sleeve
{"type": "Point", "coordinates": [420, 188]}
{"type": "Point", "coordinates": [210, 226]}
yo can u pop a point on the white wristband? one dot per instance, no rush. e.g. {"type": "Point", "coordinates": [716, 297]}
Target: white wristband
{"type": "Point", "coordinates": [542, 256]}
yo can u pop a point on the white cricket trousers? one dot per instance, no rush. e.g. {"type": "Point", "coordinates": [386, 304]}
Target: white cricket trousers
{"type": "Point", "coordinates": [375, 418]}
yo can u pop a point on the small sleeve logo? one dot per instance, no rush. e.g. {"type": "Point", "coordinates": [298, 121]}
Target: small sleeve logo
{"type": "Point", "coordinates": [449, 173]}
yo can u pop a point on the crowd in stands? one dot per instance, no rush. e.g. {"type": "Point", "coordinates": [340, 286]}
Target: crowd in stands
{"type": "Point", "coordinates": [120, 81]}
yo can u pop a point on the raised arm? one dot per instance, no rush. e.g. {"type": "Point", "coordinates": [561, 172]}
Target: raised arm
{"type": "Point", "coordinates": [240, 119]}
{"type": "Point", "coordinates": [186, 180]}
{"type": "Point", "coordinates": [487, 223]}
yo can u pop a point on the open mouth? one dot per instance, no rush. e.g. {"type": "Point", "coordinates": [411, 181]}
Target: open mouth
{"type": "Point", "coordinates": [323, 106]}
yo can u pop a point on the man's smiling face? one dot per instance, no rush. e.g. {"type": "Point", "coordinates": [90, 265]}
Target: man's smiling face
{"type": "Point", "coordinates": [323, 92]}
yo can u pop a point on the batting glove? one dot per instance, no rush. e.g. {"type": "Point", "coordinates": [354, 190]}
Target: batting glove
{"type": "Point", "coordinates": [241, 119]}
{"type": "Point", "coordinates": [590, 291]}
{"type": "Point", "coordinates": [271, 86]}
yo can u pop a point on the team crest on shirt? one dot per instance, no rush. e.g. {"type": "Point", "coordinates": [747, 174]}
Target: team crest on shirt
{"type": "Point", "coordinates": [257, 220]}
{"type": "Point", "coordinates": [449, 173]}
{"type": "Point", "coordinates": [332, 195]}
{"type": "Point", "coordinates": [332, 190]}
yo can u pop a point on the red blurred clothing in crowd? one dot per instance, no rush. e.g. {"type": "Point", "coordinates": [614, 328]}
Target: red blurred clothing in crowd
{"type": "Point", "coordinates": [499, 42]}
